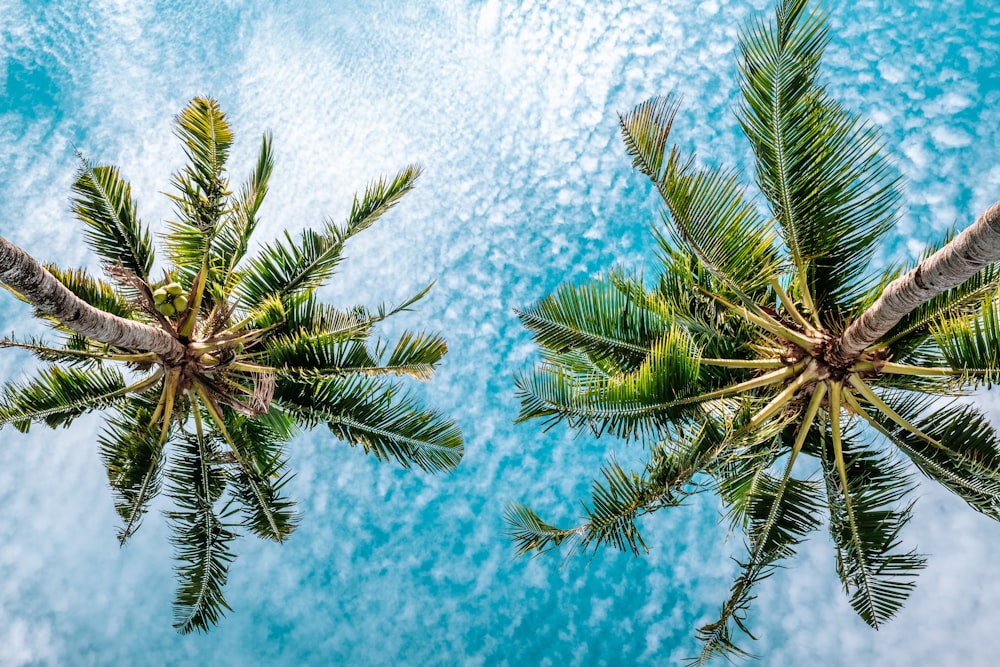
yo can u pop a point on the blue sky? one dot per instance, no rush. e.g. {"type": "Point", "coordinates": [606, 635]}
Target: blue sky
{"type": "Point", "coordinates": [511, 109]}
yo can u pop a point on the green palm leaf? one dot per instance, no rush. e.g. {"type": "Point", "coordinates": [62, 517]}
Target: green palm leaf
{"type": "Point", "coordinates": [381, 418]}
{"type": "Point", "coordinates": [206, 137]}
{"type": "Point", "coordinates": [774, 513]}
{"type": "Point", "coordinates": [833, 193]}
{"type": "Point", "coordinates": [311, 317]}
{"type": "Point", "coordinates": [530, 533]}
{"type": "Point", "coordinates": [596, 318]}
{"type": "Point", "coordinates": [416, 355]}
{"type": "Point", "coordinates": [96, 292]}
{"type": "Point", "coordinates": [707, 211]}
{"type": "Point", "coordinates": [642, 403]}
{"type": "Point", "coordinates": [617, 501]}
{"type": "Point", "coordinates": [58, 395]}
{"type": "Point", "coordinates": [779, 513]}
{"type": "Point", "coordinates": [317, 354]}
{"type": "Point", "coordinates": [132, 448]}
{"type": "Point", "coordinates": [104, 203]}
{"type": "Point", "coordinates": [865, 527]}
{"type": "Point", "coordinates": [328, 353]}
{"type": "Point", "coordinates": [82, 354]}
{"type": "Point", "coordinates": [262, 474]}
{"type": "Point", "coordinates": [201, 186]}
{"type": "Point", "coordinates": [970, 342]}
{"type": "Point", "coordinates": [232, 239]}
{"type": "Point", "coordinates": [200, 536]}
{"type": "Point", "coordinates": [682, 297]}
{"type": "Point", "coordinates": [292, 270]}
{"type": "Point", "coordinates": [956, 446]}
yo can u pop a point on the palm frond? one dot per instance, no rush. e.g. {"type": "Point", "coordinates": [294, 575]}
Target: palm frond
{"type": "Point", "coordinates": [84, 355]}
{"type": "Point", "coordinates": [328, 353]}
{"type": "Point", "coordinates": [865, 525]}
{"type": "Point", "coordinates": [832, 192]}
{"type": "Point", "coordinates": [97, 293]}
{"type": "Point", "coordinates": [202, 189]}
{"type": "Point", "coordinates": [924, 370]}
{"type": "Point", "coordinates": [666, 481]}
{"type": "Point", "coordinates": [262, 473]}
{"type": "Point", "coordinates": [288, 268]}
{"type": "Point", "coordinates": [383, 419]}
{"type": "Point", "coordinates": [707, 212]}
{"type": "Point", "coordinates": [970, 342]}
{"type": "Point", "coordinates": [206, 137]}
{"type": "Point", "coordinates": [232, 238]}
{"type": "Point", "coordinates": [59, 395]}
{"type": "Point", "coordinates": [956, 446]}
{"type": "Point", "coordinates": [652, 401]}
{"type": "Point", "coordinates": [131, 448]}
{"type": "Point", "coordinates": [681, 298]}
{"type": "Point", "coordinates": [530, 533]}
{"type": "Point", "coordinates": [311, 317]}
{"type": "Point", "coordinates": [645, 402]}
{"type": "Point", "coordinates": [104, 203]}
{"type": "Point", "coordinates": [200, 534]}
{"type": "Point", "coordinates": [620, 498]}
{"type": "Point", "coordinates": [293, 269]}
{"type": "Point", "coordinates": [384, 311]}
{"type": "Point", "coordinates": [317, 354]}
{"type": "Point", "coordinates": [416, 355]}
{"type": "Point", "coordinates": [780, 513]}
{"type": "Point", "coordinates": [596, 318]}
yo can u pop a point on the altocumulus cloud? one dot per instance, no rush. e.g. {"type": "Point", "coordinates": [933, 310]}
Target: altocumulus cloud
{"type": "Point", "coordinates": [510, 107]}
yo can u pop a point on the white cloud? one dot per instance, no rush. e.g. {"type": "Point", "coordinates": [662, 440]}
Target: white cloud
{"type": "Point", "coordinates": [510, 107]}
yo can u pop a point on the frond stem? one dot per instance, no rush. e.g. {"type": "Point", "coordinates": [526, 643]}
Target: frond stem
{"type": "Point", "coordinates": [227, 339]}
{"type": "Point", "coordinates": [878, 403]}
{"type": "Point", "coordinates": [765, 323]}
{"type": "Point", "coordinates": [762, 381]}
{"type": "Point", "coordinates": [786, 301]}
{"type": "Point", "coordinates": [905, 369]}
{"type": "Point", "coordinates": [838, 452]}
{"type": "Point", "coordinates": [759, 364]}
{"type": "Point", "coordinates": [164, 406]}
{"type": "Point", "coordinates": [187, 325]}
{"type": "Point", "coordinates": [782, 399]}
{"type": "Point", "coordinates": [215, 411]}
{"type": "Point", "coordinates": [808, 418]}
{"type": "Point", "coordinates": [145, 357]}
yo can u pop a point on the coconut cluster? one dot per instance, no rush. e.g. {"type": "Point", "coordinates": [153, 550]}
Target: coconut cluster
{"type": "Point", "coordinates": [170, 299]}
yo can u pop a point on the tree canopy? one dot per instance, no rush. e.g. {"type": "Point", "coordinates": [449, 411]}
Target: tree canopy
{"type": "Point", "coordinates": [767, 362]}
{"type": "Point", "coordinates": [209, 361]}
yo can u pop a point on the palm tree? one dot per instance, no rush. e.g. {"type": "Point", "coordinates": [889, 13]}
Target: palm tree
{"type": "Point", "coordinates": [224, 358]}
{"type": "Point", "coordinates": [766, 342]}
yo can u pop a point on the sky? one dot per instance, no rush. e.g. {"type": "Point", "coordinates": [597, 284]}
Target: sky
{"type": "Point", "coordinates": [510, 107]}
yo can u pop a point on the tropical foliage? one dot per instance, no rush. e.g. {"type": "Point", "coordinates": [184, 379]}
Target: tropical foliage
{"type": "Point", "coordinates": [257, 357]}
{"type": "Point", "coordinates": [731, 370]}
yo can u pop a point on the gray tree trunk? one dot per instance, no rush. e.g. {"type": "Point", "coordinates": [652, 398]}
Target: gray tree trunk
{"type": "Point", "coordinates": [21, 272]}
{"type": "Point", "coordinates": [968, 253]}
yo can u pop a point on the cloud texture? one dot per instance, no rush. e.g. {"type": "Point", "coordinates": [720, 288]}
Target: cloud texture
{"type": "Point", "coordinates": [510, 107]}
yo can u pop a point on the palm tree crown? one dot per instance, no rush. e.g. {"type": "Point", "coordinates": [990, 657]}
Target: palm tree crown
{"type": "Point", "coordinates": [766, 340]}
{"type": "Point", "coordinates": [223, 358]}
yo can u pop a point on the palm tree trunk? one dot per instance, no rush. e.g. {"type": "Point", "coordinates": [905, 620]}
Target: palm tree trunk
{"type": "Point", "coordinates": [41, 289]}
{"type": "Point", "coordinates": [967, 254]}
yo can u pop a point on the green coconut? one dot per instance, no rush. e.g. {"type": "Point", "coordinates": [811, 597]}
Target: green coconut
{"type": "Point", "coordinates": [173, 289]}
{"type": "Point", "coordinates": [167, 309]}
{"type": "Point", "coordinates": [180, 303]}
{"type": "Point", "coordinates": [159, 296]}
